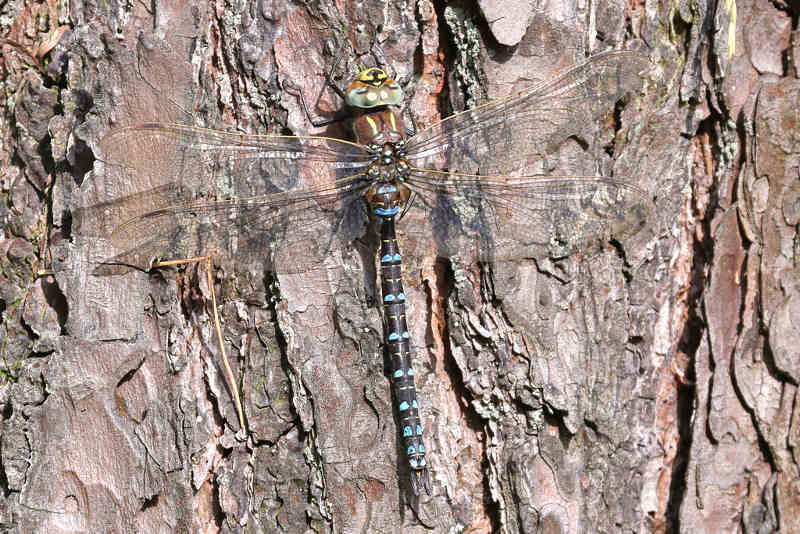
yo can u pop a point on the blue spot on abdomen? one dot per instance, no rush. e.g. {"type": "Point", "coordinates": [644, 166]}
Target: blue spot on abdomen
{"type": "Point", "coordinates": [387, 213]}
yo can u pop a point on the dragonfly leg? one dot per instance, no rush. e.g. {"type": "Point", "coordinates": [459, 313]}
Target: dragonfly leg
{"type": "Point", "coordinates": [317, 123]}
{"type": "Point", "coordinates": [380, 59]}
{"type": "Point", "coordinates": [409, 203]}
{"type": "Point", "coordinates": [329, 77]}
{"type": "Point", "coordinates": [412, 131]}
{"type": "Point", "coordinates": [330, 82]}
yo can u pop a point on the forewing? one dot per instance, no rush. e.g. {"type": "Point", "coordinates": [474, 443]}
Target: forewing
{"type": "Point", "coordinates": [171, 191]}
{"type": "Point", "coordinates": [493, 218]}
{"type": "Point", "coordinates": [498, 137]}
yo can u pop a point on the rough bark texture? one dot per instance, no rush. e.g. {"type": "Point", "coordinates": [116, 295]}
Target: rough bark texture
{"type": "Point", "coordinates": [649, 386]}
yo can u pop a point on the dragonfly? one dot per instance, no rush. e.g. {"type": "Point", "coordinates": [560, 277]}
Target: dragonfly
{"type": "Point", "coordinates": [288, 202]}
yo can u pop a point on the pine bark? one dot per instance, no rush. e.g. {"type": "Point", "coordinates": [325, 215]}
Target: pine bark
{"type": "Point", "coordinates": [648, 385]}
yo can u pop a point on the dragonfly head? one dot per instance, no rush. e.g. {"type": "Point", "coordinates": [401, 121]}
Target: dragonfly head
{"type": "Point", "coordinates": [372, 88]}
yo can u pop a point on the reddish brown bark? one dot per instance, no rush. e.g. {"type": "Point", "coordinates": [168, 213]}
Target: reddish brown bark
{"type": "Point", "coordinates": [649, 386]}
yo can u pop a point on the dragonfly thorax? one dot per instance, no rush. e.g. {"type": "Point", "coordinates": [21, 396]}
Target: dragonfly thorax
{"type": "Point", "coordinates": [388, 163]}
{"type": "Point", "coordinates": [378, 128]}
{"type": "Point", "coordinates": [384, 136]}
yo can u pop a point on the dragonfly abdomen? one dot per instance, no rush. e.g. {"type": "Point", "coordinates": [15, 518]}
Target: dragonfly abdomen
{"type": "Point", "coordinates": [398, 347]}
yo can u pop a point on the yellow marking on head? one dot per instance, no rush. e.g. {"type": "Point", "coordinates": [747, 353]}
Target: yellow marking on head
{"type": "Point", "coordinates": [373, 76]}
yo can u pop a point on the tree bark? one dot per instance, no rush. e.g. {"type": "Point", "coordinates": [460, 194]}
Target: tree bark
{"type": "Point", "coordinates": [645, 385]}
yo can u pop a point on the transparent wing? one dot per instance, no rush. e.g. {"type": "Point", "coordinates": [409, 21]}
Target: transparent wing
{"type": "Point", "coordinates": [492, 218]}
{"type": "Point", "coordinates": [171, 191]}
{"type": "Point", "coordinates": [500, 136]}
